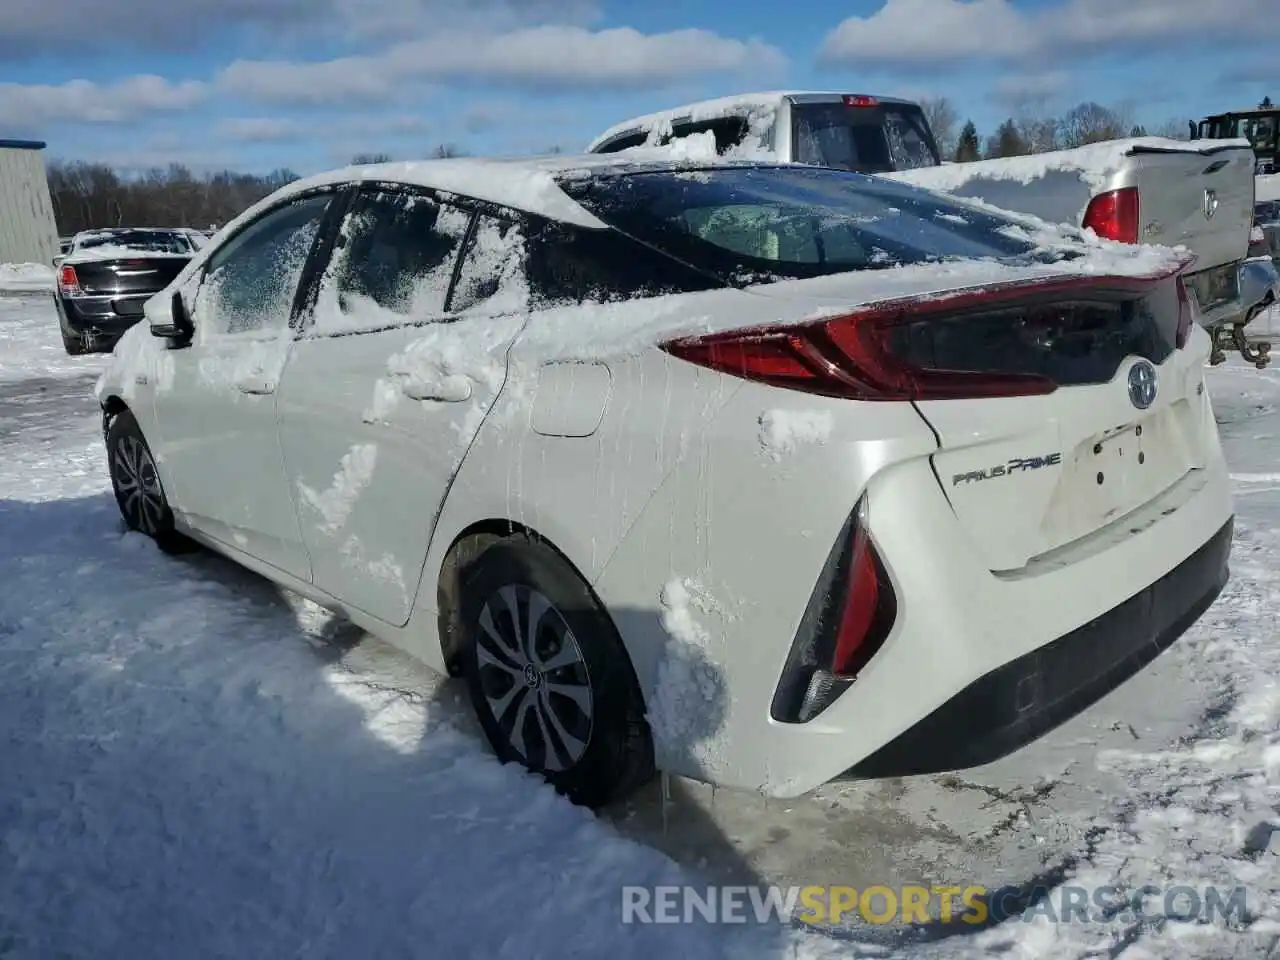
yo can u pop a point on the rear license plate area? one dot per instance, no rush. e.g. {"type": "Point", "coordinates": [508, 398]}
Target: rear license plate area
{"type": "Point", "coordinates": [128, 308]}
{"type": "Point", "coordinates": [1121, 469]}
{"type": "Point", "coordinates": [1215, 286]}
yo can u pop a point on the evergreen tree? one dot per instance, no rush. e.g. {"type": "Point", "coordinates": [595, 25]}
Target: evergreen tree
{"type": "Point", "coordinates": [967, 147]}
{"type": "Point", "coordinates": [1265, 104]}
{"type": "Point", "coordinates": [1008, 141]}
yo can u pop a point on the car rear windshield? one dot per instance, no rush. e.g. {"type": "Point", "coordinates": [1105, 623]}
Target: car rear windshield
{"type": "Point", "coordinates": [760, 224]}
{"type": "Point", "coordinates": [864, 139]}
{"type": "Point", "coordinates": [151, 241]}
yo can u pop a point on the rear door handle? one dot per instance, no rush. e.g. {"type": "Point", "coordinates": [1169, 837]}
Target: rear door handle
{"type": "Point", "coordinates": [257, 386]}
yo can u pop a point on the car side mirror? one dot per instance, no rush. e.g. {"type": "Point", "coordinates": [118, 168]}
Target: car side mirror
{"type": "Point", "coordinates": [179, 326]}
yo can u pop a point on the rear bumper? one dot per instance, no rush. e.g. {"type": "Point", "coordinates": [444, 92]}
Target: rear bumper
{"type": "Point", "coordinates": [100, 319]}
{"type": "Point", "coordinates": [1025, 698]}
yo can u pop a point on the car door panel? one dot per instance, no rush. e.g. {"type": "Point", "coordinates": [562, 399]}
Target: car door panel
{"type": "Point", "coordinates": [361, 454]}
{"type": "Point", "coordinates": [218, 435]}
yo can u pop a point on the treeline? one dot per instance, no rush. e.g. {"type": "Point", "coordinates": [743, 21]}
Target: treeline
{"type": "Point", "coordinates": [92, 195]}
{"type": "Point", "coordinates": [1027, 133]}
{"type": "Point", "coordinates": [89, 196]}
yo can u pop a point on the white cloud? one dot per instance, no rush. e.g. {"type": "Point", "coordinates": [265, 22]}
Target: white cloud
{"type": "Point", "coordinates": [319, 83]}
{"type": "Point", "coordinates": [538, 57]}
{"type": "Point", "coordinates": [905, 33]}
{"type": "Point", "coordinates": [1031, 88]}
{"type": "Point", "coordinates": [82, 101]}
{"type": "Point", "coordinates": [257, 129]}
{"type": "Point", "coordinates": [36, 27]}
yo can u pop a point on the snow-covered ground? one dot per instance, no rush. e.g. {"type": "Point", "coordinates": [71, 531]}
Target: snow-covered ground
{"type": "Point", "coordinates": [195, 764]}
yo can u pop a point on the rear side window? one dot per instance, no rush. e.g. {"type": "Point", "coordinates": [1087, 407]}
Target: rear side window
{"type": "Point", "coordinates": [491, 276]}
{"type": "Point", "coordinates": [392, 262]}
{"type": "Point", "coordinates": [568, 265]}
{"type": "Point", "coordinates": [876, 139]}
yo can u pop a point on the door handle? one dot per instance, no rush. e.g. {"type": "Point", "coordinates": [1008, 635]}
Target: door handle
{"type": "Point", "coordinates": [257, 386]}
{"type": "Point", "coordinates": [448, 390]}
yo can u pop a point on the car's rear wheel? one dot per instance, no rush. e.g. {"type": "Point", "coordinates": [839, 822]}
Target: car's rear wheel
{"type": "Point", "coordinates": [548, 675]}
{"type": "Point", "coordinates": [135, 481]}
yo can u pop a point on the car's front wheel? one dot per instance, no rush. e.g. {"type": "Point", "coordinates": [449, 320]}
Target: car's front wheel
{"type": "Point", "coordinates": [548, 675]}
{"type": "Point", "coordinates": [136, 482]}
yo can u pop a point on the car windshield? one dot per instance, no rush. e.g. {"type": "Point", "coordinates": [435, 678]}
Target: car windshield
{"type": "Point", "coordinates": [151, 241]}
{"type": "Point", "coordinates": [760, 224]}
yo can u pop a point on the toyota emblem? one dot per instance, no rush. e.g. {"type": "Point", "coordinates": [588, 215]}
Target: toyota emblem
{"type": "Point", "coordinates": [1142, 384]}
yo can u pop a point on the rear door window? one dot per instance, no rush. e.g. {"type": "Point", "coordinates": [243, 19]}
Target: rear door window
{"type": "Point", "coordinates": [875, 139]}
{"type": "Point", "coordinates": [392, 262]}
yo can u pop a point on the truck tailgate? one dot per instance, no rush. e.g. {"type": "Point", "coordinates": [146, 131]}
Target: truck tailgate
{"type": "Point", "coordinates": [1199, 198]}
{"type": "Point", "coordinates": [1197, 194]}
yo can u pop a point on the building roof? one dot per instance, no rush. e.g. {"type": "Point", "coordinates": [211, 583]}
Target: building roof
{"type": "Point", "coordinates": [22, 144]}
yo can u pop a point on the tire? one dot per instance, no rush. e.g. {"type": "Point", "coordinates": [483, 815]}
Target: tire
{"type": "Point", "coordinates": [75, 346]}
{"type": "Point", "coordinates": [574, 680]}
{"type": "Point", "coordinates": [136, 485]}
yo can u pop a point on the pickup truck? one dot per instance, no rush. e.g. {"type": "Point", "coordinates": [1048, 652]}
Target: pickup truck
{"type": "Point", "coordinates": [1198, 195]}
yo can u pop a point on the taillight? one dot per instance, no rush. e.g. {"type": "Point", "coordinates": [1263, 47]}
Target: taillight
{"type": "Point", "coordinates": [899, 350]}
{"type": "Point", "coordinates": [850, 615]}
{"type": "Point", "coordinates": [1114, 215]}
{"type": "Point", "coordinates": [1185, 316]}
{"type": "Point", "coordinates": [869, 606]}
{"type": "Point", "coordinates": [859, 100]}
{"type": "Point", "coordinates": [68, 282]}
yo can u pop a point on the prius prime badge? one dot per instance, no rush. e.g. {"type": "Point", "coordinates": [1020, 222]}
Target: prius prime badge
{"type": "Point", "coordinates": [1142, 384]}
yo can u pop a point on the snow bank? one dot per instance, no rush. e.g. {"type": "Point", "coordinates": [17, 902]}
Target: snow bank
{"type": "Point", "coordinates": [24, 277]}
{"type": "Point", "coordinates": [1095, 164]}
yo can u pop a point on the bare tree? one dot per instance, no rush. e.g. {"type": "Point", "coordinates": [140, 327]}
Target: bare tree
{"type": "Point", "coordinates": [943, 121]}
{"type": "Point", "coordinates": [446, 150]}
{"type": "Point", "coordinates": [1173, 129]}
{"type": "Point", "coordinates": [364, 159]}
{"type": "Point", "coordinates": [1091, 122]}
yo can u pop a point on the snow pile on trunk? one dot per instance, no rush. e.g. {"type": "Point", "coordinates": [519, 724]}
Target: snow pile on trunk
{"type": "Point", "coordinates": [21, 277]}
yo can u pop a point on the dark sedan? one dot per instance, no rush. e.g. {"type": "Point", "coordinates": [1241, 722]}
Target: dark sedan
{"type": "Point", "coordinates": [107, 276]}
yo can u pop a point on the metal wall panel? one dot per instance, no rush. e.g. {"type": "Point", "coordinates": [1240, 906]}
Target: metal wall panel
{"type": "Point", "coordinates": [27, 230]}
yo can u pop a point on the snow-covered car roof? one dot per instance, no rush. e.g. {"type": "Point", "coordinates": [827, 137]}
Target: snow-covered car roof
{"type": "Point", "coordinates": [750, 104]}
{"type": "Point", "coordinates": [529, 184]}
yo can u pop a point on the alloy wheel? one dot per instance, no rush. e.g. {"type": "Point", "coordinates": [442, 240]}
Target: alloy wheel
{"type": "Point", "coordinates": [138, 484]}
{"type": "Point", "coordinates": [534, 678]}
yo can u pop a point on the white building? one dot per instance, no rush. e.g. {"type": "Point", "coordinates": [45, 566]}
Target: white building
{"type": "Point", "coordinates": [28, 233]}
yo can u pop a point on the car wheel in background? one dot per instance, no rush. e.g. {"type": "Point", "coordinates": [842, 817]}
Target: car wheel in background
{"type": "Point", "coordinates": [75, 346]}
{"type": "Point", "coordinates": [549, 677]}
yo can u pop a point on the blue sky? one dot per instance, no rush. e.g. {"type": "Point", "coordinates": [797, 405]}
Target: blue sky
{"type": "Point", "coordinates": [259, 84]}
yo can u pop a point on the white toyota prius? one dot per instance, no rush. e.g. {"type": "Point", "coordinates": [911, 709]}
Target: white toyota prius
{"type": "Point", "coordinates": [760, 475]}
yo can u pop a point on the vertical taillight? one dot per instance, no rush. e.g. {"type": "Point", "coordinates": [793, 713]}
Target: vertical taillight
{"type": "Point", "coordinates": [68, 282]}
{"type": "Point", "coordinates": [850, 614]}
{"type": "Point", "coordinates": [1114, 215]}
{"type": "Point", "coordinates": [1185, 314]}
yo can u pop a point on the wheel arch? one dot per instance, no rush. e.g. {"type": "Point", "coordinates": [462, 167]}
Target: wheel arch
{"type": "Point", "coordinates": [468, 545]}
